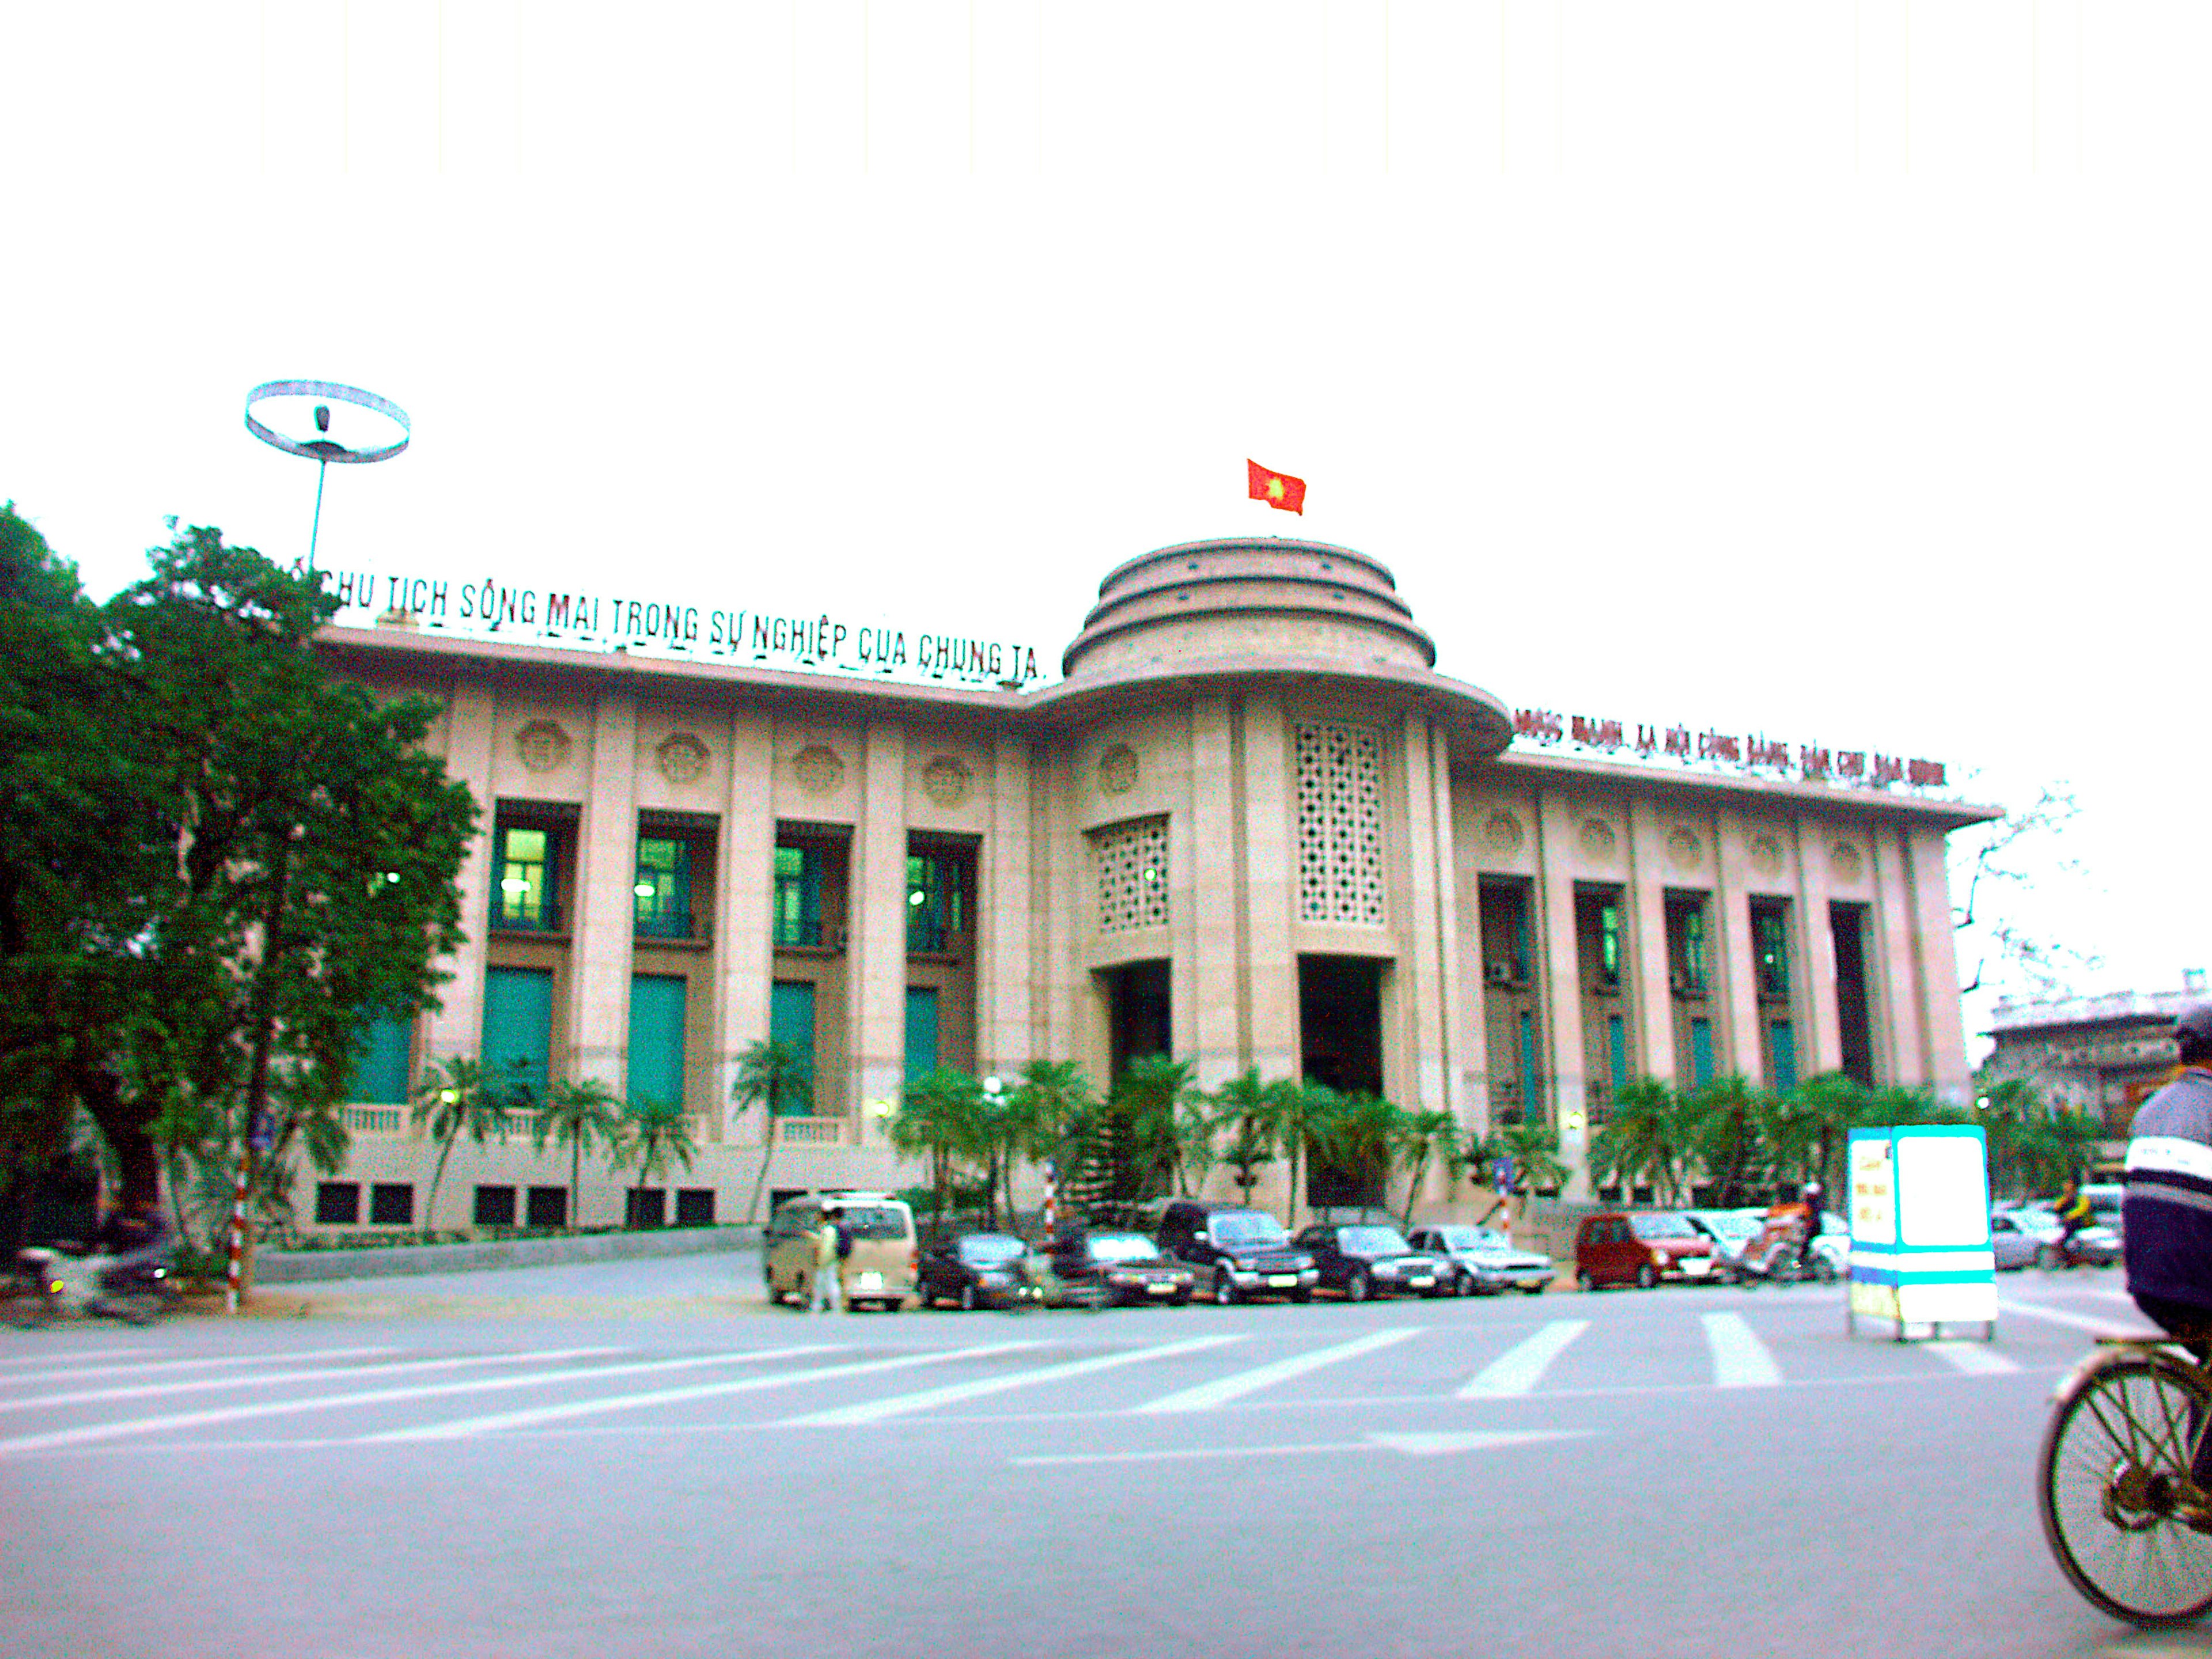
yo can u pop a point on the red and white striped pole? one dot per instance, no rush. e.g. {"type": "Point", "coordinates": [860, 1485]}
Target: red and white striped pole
{"type": "Point", "coordinates": [1051, 1198]}
{"type": "Point", "coordinates": [238, 1224]}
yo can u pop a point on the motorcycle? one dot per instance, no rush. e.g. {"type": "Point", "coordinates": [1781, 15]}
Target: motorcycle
{"type": "Point", "coordinates": [2091, 1247]}
{"type": "Point", "coordinates": [53, 1284]}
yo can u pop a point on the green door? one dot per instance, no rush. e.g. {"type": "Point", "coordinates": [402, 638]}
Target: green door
{"type": "Point", "coordinates": [1785, 1056]}
{"type": "Point", "coordinates": [656, 1038]}
{"type": "Point", "coordinates": [791, 1021]}
{"type": "Point", "coordinates": [518, 1026]}
{"type": "Point", "coordinates": [1701, 1052]}
{"type": "Point", "coordinates": [921, 1030]}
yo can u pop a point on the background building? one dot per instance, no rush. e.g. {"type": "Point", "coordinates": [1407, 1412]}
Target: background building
{"type": "Point", "coordinates": [1251, 825]}
{"type": "Point", "coordinates": [2103, 1055]}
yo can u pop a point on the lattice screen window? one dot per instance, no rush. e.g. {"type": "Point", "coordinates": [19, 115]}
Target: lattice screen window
{"type": "Point", "coordinates": [1341, 823]}
{"type": "Point", "coordinates": [1131, 863]}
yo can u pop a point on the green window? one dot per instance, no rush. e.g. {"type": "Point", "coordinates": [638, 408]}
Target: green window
{"type": "Point", "coordinates": [798, 902]}
{"type": "Point", "coordinates": [656, 1037]}
{"type": "Point", "coordinates": [1616, 1040]}
{"type": "Point", "coordinates": [380, 1071]}
{"type": "Point", "coordinates": [932, 902]}
{"type": "Point", "coordinates": [1608, 945]}
{"type": "Point", "coordinates": [522, 880]}
{"type": "Point", "coordinates": [921, 1030]}
{"type": "Point", "coordinates": [518, 1026]}
{"type": "Point", "coordinates": [791, 1021]}
{"type": "Point", "coordinates": [1785, 1055]}
{"type": "Point", "coordinates": [1769, 939]}
{"type": "Point", "coordinates": [662, 890]}
{"type": "Point", "coordinates": [1701, 1052]}
{"type": "Point", "coordinates": [1693, 952]}
{"type": "Point", "coordinates": [1529, 1081]}
{"type": "Point", "coordinates": [1521, 940]}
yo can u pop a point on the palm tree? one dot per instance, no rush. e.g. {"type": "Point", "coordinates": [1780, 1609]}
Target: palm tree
{"type": "Point", "coordinates": [658, 1134]}
{"type": "Point", "coordinates": [1834, 1104]}
{"type": "Point", "coordinates": [1306, 1116]}
{"type": "Point", "coordinates": [1429, 1135]}
{"type": "Point", "coordinates": [1367, 1142]}
{"type": "Point", "coordinates": [577, 1115]}
{"type": "Point", "coordinates": [770, 1072]}
{"type": "Point", "coordinates": [1730, 1112]}
{"type": "Point", "coordinates": [1246, 1109]}
{"type": "Point", "coordinates": [1533, 1150]}
{"type": "Point", "coordinates": [1052, 1108]}
{"type": "Point", "coordinates": [1150, 1096]}
{"type": "Point", "coordinates": [1644, 1129]}
{"type": "Point", "coordinates": [456, 1097]}
{"type": "Point", "coordinates": [186, 1127]}
{"type": "Point", "coordinates": [937, 1118]}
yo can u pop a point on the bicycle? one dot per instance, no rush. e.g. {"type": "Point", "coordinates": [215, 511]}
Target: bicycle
{"type": "Point", "coordinates": [2121, 1482]}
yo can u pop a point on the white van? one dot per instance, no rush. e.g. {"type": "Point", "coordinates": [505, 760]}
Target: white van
{"type": "Point", "coordinates": [880, 1271]}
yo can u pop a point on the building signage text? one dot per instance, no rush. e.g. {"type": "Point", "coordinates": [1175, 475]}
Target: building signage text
{"type": "Point", "coordinates": [1753, 752]}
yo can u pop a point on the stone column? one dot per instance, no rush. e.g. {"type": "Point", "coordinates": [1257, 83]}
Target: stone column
{"type": "Point", "coordinates": [1465, 1058]}
{"type": "Point", "coordinates": [876, 939]}
{"type": "Point", "coordinates": [745, 950]}
{"type": "Point", "coordinates": [1271, 967]}
{"type": "Point", "coordinates": [1004, 1042]}
{"type": "Point", "coordinates": [1651, 987]}
{"type": "Point", "coordinates": [1817, 1006]}
{"type": "Point", "coordinates": [1947, 1071]}
{"type": "Point", "coordinates": [1423, 943]}
{"type": "Point", "coordinates": [1562, 998]}
{"type": "Point", "coordinates": [1062, 911]}
{"type": "Point", "coordinates": [1207, 940]}
{"type": "Point", "coordinates": [1738, 990]}
{"type": "Point", "coordinates": [456, 1028]}
{"type": "Point", "coordinates": [602, 908]}
{"type": "Point", "coordinates": [1896, 966]}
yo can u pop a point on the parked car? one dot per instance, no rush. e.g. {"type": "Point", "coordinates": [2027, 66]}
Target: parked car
{"type": "Point", "coordinates": [1236, 1251]}
{"type": "Point", "coordinates": [881, 1270]}
{"type": "Point", "coordinates": [1731, 1233]}
{"type": "Point", "coordinates": [1639, 1249]}
{"type": "Point", "coordinates": [976, 1270]}
{"type": "Point", "coordinates": [1121, 1268]}
{"type": "Point", "coordinates": [1364, 1258]}
{"type": "Point", "coordinates": [1488, 1263]}
{"type": "Point", "coordinates": [1834, 1241]}
{"type": "Point", "coordinates": [2011, 1241]}
{"type": "Point", "coordinates": [2105, 1209]}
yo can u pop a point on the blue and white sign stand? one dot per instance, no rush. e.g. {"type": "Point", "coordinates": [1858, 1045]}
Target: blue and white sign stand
{"type": "Point", "coordinates": [1921, 1255]}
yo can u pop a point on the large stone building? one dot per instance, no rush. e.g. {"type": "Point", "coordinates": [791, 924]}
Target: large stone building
{"type": "Point", "coordinates": [2103, 1055]}
{"type": "Point", "coordinates": [1251, 826]}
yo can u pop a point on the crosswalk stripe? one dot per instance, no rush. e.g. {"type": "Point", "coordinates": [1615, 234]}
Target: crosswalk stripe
{"type": "Point", "coordinates": [15, 1362]}
{"type": "Point", "coordinates": [1740, 1358]}
{"type": "Point", "coordinates": [1975, 1358]}
{"type": "Point", "coordinates": [191, 1364]}
{"type": "Point", "coordinates": [256, 1379]}
{"type": "Point", "coordinates": [574, 1409]}
{"type": "Point", "coordinates": [875, 1411]}
{"type": "Point", "coordinates": [1206, 1395]}
{"type": "Point", "coordinates": [1522, 1366]}
{"type": "Point", "coordinates": [2074, 1322]}
{"type": "Point", "coordinates": [91, 1434]}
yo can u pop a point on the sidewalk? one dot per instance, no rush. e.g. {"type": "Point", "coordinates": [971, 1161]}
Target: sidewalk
{"type": "Point", "coordinates": [716, 1284]}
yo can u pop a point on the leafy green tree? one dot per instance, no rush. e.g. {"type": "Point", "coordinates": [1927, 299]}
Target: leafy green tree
{"type": "Point", "coordinates": [1651, 1135]}
{"type": "Point", "coordinates": [1053, 1111]}
{"type": "Point", "coordinates": [457, 1097]}
{"type": "Point", "coordinates": [578, 1115]}
{"type": "Point", "coordinates": [937, 1118]}
{"type": "Point", "coordinates": [1364, 1143]}
{"type": "Point", "coordinates": [1533, 1149]}
{"type": "Point", "coordinates": [657, 1137]}
{"type": "Point", "coordinates": [1729, 1113]}
{"type": "Point", "coordinates": [1834, 1103]}
{"type": "Point", "coordinates": [1246, 1110]}
{"type": "Point", "coordinates": [1308, 1118]}
{"type": "Point", "coordinates": [771, 1073]}
{"type": "Point", "coordinates": [1430, 1136]}
{"type": "Point", "coordinates": [1150, 1097]}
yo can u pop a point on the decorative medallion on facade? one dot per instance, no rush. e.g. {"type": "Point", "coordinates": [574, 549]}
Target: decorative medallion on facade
{"type": "Point", "coordinates": [543, 746]}
{"type": "Point", "coordinates": [1501, 830]}
{"type": "Point", "coordinates": [1765, 852]}
{"type": "Point", "coordinates": [1117, 770]}
{"type": "Point", "coordinates": [1598, 840]}
{"type": "Point", "coordinates": [1844, 859]}
{"type": "Point", "coordinates": [817, 769]}
{"type": "Point", "coordinates": [945, 780]}
{"type": "Point", "coordinates": [1340, 824]}
{"type": "Point", "coordinates": [682, 758]}
{"type": "Point", "coordinates": [1131, 864]}
{"type": "Point", "coordinates": [1685, 848]}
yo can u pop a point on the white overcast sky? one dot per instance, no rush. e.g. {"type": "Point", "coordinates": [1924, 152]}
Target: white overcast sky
{"type": "Point", "coordinates": [1834, 369]}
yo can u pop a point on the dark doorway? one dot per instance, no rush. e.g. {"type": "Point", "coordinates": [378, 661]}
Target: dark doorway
{"type": "Point", "coordinates": [1340, 1045]}
{"type": "Point", "coordinates": [1139, 1013]}
{"type": "Point", "coordinates": [1847, 922]}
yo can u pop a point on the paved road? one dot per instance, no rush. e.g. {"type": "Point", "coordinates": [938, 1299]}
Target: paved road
{"type": "Point", "coordinates": [640, 1458]}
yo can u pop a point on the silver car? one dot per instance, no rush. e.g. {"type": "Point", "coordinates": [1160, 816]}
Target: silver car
{"type": "Point", "coordinates": [1488, 1262]}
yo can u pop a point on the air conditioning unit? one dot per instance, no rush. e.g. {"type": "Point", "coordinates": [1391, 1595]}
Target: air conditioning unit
{"type": "Point", "coordinates": [1498, 973]}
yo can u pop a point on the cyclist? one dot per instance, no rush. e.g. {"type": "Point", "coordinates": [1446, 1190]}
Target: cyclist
{"type": "Point", "coordinates": [2165, 1210]}
{"type": "Point", "coordinates": [2072, 1209]}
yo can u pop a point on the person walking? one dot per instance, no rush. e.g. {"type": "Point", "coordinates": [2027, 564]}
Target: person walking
{"type": "Point", "coordinates": [827, 1293]}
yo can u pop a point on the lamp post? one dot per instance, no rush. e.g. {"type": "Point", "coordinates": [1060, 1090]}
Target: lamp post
{"type": "Point", "coordinates": [322, 448]}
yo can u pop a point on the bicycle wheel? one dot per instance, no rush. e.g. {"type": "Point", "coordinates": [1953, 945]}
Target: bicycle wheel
{"type": "Point", "coordinates": [2113, 1474]}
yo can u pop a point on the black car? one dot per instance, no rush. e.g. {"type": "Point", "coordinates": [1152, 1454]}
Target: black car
{"type": "Point", "coordinates": [1236, 1251]}
{"type": "Point", "coordinates": [1119, 1268]}
{"type": "Point", "coordinates": [976, 1270]}
{"type": "Point", "coordinates": [1364, 1259]}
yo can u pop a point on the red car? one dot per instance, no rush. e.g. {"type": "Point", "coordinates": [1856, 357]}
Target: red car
{"type": "Point", "coordinates": [1639, 1249]}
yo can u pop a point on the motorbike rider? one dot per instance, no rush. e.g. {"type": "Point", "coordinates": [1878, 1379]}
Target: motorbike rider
{"type": "Point", "coordinates": [2166, 1209]}
{"type": "Point", "coordinates": [2072, 1208]}
{"type": "Point", "coordinates": [1811, 1223]}
{"type": "Point", "coordinates": [132, 1238]}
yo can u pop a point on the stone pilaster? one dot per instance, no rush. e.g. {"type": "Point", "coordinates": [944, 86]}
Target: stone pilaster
{"type": "Point", "coordinates": [744, 952]}
{"type": "Point", "coordinates": [1947, 1072]}
{"type": "Point", "coordinates": [1896, 987]}
{"type": "Point", "coordinates": [456, 1028]}
{"type": "Point", "coordinates": [1651, 983]}
{"type": "Point", "coordinates": [1465, 1059]}
{"type": "Point", "coordinates": [1005, 1041]}
{"type": "Point", "coordinates": [602, 907]}
{"type": "Point", "coordinates": [1211, 930]}
{"type": "Point", "coordinates": [1423, 941]}
{"type": "Point", "coordinates": [1816, 1008]}
{"type": "Point", "coordinates": [1737, 992]}
{"type": "Point", "coordinates": [1568, 1106]}
{"type": "Point", "coordinates": [1271, 967]}
{"type": "Point", "coordinates": [876, 941]}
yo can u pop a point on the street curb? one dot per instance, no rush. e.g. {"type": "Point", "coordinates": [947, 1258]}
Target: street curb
{"type": "Point", "coordinates": [406, 1261]}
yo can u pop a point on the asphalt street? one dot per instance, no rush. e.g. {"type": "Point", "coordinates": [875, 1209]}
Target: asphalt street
{"type": "Point", "coordinates": [642, 1458]}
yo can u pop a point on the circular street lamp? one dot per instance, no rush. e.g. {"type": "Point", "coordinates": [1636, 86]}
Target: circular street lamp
{"type": "Point", "coordinates": [322, 448]}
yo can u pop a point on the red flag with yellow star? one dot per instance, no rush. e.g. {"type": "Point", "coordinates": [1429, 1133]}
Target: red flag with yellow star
{"type": "Point", "coordinates": [1278, 490]}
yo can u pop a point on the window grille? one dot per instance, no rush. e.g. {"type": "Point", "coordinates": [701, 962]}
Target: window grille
{"type": "Point", "coordinates": [1340, 824]}
{"type": "Point", "coordinates": [1131, 861]}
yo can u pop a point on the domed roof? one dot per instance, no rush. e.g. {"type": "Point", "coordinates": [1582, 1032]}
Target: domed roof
{"type": "Point", "coordinates": [1259, 594]}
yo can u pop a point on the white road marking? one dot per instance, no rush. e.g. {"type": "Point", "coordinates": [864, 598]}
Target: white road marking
{"type": "Point", "coordinates": [875, 1411]}
{"type": "Point", "coordinates": [523, 1420]}
{"type": "Point", "coordinates": [1976, 1359]}
{"type": "Point", "coordinates": [84, 1396]}
{"type": "Point", "coordinates": [92, 1433]}
{"type": "Point", "coordinates": [1411, 1445]}
{"type": "Point", "coordinates": [57, 1376]}
{"type": "Point", "coordinates": [1206, 1395]}
{"type": "Point", "coordinates": [1740, 1358]}
{"type": "Point", "coordinates": [13, 1361]}
{"type": "Point", "coordinates": [2075, 1321]}
{"type": "Point", "coordinates": [1522, 1366]}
